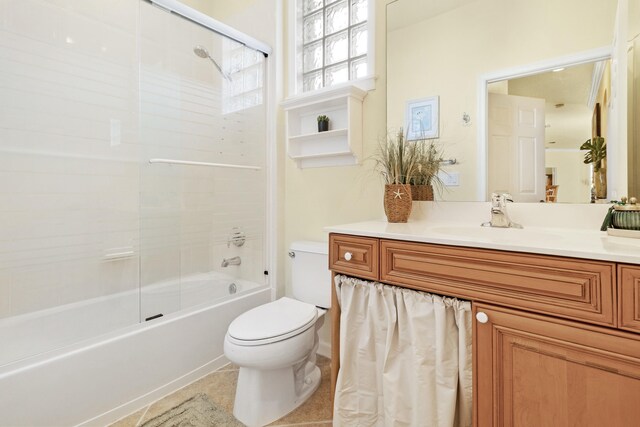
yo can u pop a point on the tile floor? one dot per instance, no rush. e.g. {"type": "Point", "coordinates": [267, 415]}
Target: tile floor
{"type": "Point", "coordinates": [220, 386]}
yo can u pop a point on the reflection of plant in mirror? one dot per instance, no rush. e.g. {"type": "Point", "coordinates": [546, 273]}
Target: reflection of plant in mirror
{"type": "Point", "coordinates": [597, 151]}
{"type": "Point", "coordinates": [429, 157]}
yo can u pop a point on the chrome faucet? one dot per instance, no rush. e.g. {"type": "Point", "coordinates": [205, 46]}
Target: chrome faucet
{"type": "Point", "coordinates": [231, 261]}
{"type": "Point", "coordinates": [499, 216]}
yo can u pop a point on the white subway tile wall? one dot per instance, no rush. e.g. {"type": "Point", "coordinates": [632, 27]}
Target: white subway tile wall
{"type": "Point", "coordinates": [89, 92]}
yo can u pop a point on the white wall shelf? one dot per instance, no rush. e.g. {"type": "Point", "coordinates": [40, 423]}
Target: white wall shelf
{"type": "Point", "coordinates": [342, 144]}
{"type": "Point", "coordinates": [299, 139]}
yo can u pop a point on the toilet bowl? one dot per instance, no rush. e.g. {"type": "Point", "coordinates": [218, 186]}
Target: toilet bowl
{"type": "Point", "coordinates": [275, 344]}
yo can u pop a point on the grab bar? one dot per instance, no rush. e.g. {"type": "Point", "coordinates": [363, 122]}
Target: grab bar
{"type": "Point", "coordinates": [118, 255]}
{"type": "Point", "coordinates": [215, 165]}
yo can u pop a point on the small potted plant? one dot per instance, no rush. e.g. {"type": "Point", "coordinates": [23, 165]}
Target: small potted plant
{"type": "Point", "coordinates": [397, 162]}
{"type": "Point", "coordinates": [426, 175]}
{"type": "Point", "coordinates": [323, 123]}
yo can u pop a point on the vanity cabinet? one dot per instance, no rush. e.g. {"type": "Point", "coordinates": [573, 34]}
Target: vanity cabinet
{"type": "Point", "coordinates": [557, 341]}
{"type": "Point", "coordinates": [534, 370]}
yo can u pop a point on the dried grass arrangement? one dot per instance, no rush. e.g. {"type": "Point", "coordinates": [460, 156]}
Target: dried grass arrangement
{"type": "Point", "coordinates": [397, 162]}
{"type": "Point", "coordinates": [426, 177]}
{"type": "Point", "coordinates": [410, 170]}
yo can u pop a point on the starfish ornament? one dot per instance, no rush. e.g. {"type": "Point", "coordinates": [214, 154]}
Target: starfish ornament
{"type": "Point", "coordinates": [397, 194]}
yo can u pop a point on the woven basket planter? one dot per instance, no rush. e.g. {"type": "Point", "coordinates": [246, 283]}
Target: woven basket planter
{"type": "Point", "coordinates": [397, 202]}
{"type": "Point", "coordinates": [422, 192]}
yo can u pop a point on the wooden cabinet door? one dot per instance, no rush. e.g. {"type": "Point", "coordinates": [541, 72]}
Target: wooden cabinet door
{"type": "Point", "coordinates": [629, 297]}
{"type": "Point", "coordinates": [533, 370]}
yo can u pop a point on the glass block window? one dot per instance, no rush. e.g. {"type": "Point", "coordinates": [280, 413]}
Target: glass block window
{"type": "Point", "coordinates": [244, 68]}
{"type": "Point", "coordinates": [334, 42]}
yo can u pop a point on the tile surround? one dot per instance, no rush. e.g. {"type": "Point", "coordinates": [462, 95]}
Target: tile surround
{"type": "Point", "coordinates": [91, 91]}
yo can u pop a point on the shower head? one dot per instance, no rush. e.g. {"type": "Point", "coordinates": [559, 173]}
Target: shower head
{"type": "Point", "coordinates": [201, 52]}
{"type": "Point", "coordinates": [204, 53]}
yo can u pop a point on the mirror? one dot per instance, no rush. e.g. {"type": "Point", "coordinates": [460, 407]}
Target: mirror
{"type": "Point", "coordinates": [461, 50]}
{"type": "Point", "coordinates": [540, 160]}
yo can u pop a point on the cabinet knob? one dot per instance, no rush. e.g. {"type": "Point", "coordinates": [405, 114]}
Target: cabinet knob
{"type": "Point", "coordinates": [482, 317]}
{"type": "Point", "coordinates": [348, 256]}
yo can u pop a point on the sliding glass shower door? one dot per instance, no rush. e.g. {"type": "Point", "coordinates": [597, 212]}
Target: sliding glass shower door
{"type": "Point", "coordinates": [203, 186]}
{"type": "Point", "coordinates": [132, 163]}
{"type": "Point", "coordinates": [69, 173]}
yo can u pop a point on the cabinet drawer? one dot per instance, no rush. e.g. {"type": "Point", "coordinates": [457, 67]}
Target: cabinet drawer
{"type": "Point", "coordinates": [565, 287]}
{"type": "Point", "coordinates": [356, 256]}
{"type": "Point", "coordinates": [629, 295]}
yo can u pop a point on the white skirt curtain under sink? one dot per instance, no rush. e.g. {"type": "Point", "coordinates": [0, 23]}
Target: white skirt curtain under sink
{"type": "Point", "coordinates": [405, 357]}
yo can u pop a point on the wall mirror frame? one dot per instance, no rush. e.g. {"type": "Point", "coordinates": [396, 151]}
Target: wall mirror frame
{"type": "Point", "coordinates": [459, 40]}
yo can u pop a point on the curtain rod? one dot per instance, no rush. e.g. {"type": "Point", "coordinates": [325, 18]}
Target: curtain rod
{"type": "Point", "coordinates": [212, 24]}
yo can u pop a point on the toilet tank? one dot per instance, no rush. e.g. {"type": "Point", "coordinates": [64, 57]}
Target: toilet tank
{"type": "Point", "coordinates": [310, 275]}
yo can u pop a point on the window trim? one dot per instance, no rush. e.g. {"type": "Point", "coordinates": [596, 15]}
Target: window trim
{"type": "Point", "coordinates": [295, 45]}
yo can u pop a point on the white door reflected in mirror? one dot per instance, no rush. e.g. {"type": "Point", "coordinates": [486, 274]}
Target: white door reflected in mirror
{"type": "Point", "coordinates": [516, 146]}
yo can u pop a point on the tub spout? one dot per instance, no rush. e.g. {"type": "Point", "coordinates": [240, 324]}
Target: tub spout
{"type": "Point", "coordinates": [231, 261]}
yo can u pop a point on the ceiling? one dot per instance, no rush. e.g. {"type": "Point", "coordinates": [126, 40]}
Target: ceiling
{"type": "Point", "coordinates": [569, 86]}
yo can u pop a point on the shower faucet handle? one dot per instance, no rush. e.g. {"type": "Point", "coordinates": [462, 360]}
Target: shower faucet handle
{"type": "Point", "coordinates": [237, 237]}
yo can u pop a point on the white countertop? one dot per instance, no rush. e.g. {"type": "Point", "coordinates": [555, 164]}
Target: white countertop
{"type": "Point", "coordinates": [583, 242]}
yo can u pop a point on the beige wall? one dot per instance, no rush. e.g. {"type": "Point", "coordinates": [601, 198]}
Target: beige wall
{"type": "Point", "coordinates": [634, 19]}
{"type": "Point", "coordinates": [318, 197]}
{"type": "Point", "coordinates": [572, 175]}
{"type": "Point", "coordinates": [447, 54]}
{"type": "Point", "coordinates": [570, 126]}
{"type": "Point", "coordinates": [256, 18]}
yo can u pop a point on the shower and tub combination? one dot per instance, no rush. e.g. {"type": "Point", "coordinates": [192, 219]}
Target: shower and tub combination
{"type": "Point", "coordinates": [132, 201]}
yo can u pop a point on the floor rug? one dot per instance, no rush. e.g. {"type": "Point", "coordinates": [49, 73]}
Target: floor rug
{"type": "Point", "coordinates": [197, 411]}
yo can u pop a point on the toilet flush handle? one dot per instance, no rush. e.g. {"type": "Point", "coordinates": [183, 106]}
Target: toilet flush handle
{"type": "Point", "coordinates": [348, 256]}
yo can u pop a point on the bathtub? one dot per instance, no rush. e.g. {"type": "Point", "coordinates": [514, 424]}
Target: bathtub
{"type": "Point", "coordinates": [117, 369]}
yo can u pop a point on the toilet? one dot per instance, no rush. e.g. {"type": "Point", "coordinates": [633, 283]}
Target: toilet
{"type": "Point", "coordinates": [275, 344]}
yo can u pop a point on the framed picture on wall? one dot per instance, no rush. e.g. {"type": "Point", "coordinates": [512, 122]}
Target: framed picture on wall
{"type": "Point", "coordinates": [422, 118]}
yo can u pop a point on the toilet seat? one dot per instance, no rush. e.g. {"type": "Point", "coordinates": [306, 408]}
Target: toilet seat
{"type": "Point", "coordinates": [272, 322]}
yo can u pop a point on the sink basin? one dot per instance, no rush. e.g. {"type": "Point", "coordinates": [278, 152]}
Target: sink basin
{"type": "Point", "coordinates": [499, 235]}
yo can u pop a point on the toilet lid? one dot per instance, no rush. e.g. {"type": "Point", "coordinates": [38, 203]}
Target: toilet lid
{"type": "Point", "coordinates": [277, 318]}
